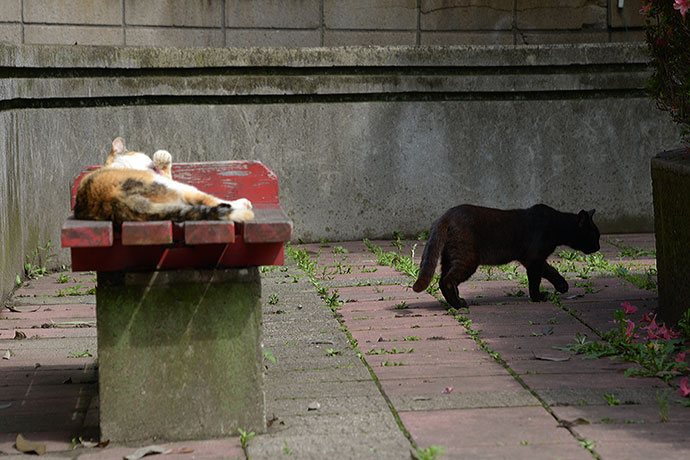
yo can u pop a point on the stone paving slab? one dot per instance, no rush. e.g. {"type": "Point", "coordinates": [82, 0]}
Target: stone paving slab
{"type": "Point", "coordinates": [591, 380]}
{"type": "Point", "coordinates": [437, 386]}
{"type": "Point", "coordinates": [488, 414]}
{"type": "Point", "coordinates": [494, 433]}
{"type": "Point", "coordinates": [46, 333]}
{"type": "Point", "coordinates": [371, 338]}
{"type": "Point", "coordinates": [475, 400]}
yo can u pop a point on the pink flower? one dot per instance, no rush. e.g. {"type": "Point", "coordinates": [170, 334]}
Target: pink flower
{"type": "Point", "coordinates": [680, 357]}
{"type": "Point", "coordinates": [683, 6]}
{"type": "Point", "coordinates": [684, 389]}
{"type": "Point", "coordinates": [627, 308]}
{"type": "Point", "coordinates": [662, 333]}
{"type": "Point", "coordinates": [644, 10]}
{"type": "Point", "coordinates": [630, 329]}
{"type": "Point", "coordinates": [652, 329]}
{"type": "Point", "coordinates": [647, 317]}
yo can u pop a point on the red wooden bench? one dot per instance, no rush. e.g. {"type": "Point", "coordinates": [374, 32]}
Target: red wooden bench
{"type": "Point", "coordinates": [164, 245]}
{"type": "Point", "coordinates": [179, 313]}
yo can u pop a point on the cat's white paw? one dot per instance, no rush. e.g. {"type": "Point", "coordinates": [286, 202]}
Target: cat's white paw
{"type": "Point", "coordinates": [241, 215]}
{"type": "Point", "coordinates": [162, 159]}
{"type": "Point", "coordinates": [242, 203]}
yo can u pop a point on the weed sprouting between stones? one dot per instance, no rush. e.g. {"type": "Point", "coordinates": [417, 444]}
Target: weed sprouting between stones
{"type": "Point", "coordinates": [75, 291]}
{"type": "Point", "coordinates": [332, 301]}
{"type": "Point", "coordinates": [430, 453]}
{"type": "Point", "coordinates": [631, 251]}
{"type": "Point", "coordinates": [658, 350]}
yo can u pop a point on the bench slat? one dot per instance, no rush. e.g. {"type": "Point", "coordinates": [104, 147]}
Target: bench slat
{"type": "Point", "coordinates": [164, 245]}
{"type": "Point", "coordinates": [87, 233]}
{"type": "Point", "coordinates": [270, 225]}
{"type": "Point", "coordinates": [147, 233]}
{"type": "Point", "coordinates": [159, 257]}
{"type": "Point", "coordinates": [209, 232]}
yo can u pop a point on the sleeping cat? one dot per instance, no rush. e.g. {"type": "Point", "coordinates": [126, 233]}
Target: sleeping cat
{"type": "Point", "coordinates": [468, 236]}
{"type": "Point", "coordinates": [132, 187]}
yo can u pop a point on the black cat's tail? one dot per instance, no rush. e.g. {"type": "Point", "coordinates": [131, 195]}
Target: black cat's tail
{"type": "Point", "coordinates": [432, 252]}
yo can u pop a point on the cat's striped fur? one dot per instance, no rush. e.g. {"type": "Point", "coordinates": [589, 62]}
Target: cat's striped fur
{"type": "Point", "coordinates": [132, 187]}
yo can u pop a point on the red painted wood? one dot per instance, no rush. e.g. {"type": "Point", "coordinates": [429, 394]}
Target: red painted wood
{"type": "Point", "coordinates": [208, 232]}
{"type": "Point", "coordinates": [147, 233]}
{"type": "Point", "coordinates": [225, 179]}
{"type": "Point", "coordinates": [270, 225]}
{"type": "Point", "coordinates": [86, 233]}
{"type": "Point", "coordinates": [230, 179]}
{"type": "Point", "coordinates": [243, 254]}
{"type": "Point", "coordinates": [192, 244]}
{"type": "Point", "coordinates": [120, 257]}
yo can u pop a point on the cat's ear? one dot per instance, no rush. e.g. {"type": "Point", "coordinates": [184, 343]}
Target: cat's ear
{"type": "Point", "coordinates": [584, 218]}
{"type": "Point", "coordinates": [118, 146]}
{"type": "Point", "coordinates": [591, 213]}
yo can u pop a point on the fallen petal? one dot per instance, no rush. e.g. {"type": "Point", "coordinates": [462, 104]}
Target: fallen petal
{"type": "Point", "coordinates": [447, 390]}
{"type": "Point", "coordinates": [28, 447]}
{"type": "Point", "coordinates": [314, 406]}
{"type": "Point", "coordinates": [144, 451]}
{"type": "Point", "coordinates": [547, 330]}
{"type": "Point", "coordinates": [572, 423]}
{"type": "Point", "coordinates": [179, 450]}
{"type": "Point", "coordinates": [7, 355]}
{"type": "Point", "coordinates": [551, 358]}
{"type": "Point", "coordinates": [23, 309]}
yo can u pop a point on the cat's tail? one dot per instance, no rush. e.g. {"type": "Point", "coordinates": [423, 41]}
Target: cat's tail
{"type": "Point", "coordinates": [181, 212]}
{"type": "Point", "coordinates": [203, 212]}
{"type": "Point", "coordinates": [432, 252]}
{"type": "Point", "coordinates": [221, 212]}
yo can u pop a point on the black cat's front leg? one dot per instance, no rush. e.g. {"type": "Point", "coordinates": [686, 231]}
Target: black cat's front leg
{"type": "Point", "coordinates": [555, 278]}
{"type": "Point", "coordinates": [534, 274]}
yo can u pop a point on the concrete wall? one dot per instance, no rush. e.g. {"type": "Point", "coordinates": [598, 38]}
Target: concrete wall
{"type": "Point", "coordinates": [308, 23]}
{"type": "Point", "coordinates": [364, 140]}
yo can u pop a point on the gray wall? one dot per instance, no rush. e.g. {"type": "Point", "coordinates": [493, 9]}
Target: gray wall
{"type": "Point", "coordinates": [308, 23]}
{"type": "Point", "coordinates": [364, 140]}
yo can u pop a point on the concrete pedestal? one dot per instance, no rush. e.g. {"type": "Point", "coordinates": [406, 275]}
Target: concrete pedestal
{"type": "Point", "coordinates": [180, 354]}
{"type": "Point", "coordinates": [670, 183]}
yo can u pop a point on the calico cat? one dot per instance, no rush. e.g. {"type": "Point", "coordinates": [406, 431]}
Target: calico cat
{"type": "Point", "coordinates": [468, 236]}
{"type": "Point", "coordinates": [132, 187]}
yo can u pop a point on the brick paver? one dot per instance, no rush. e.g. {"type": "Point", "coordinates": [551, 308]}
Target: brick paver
{"type": "Point", "coordinates": [534, 401]}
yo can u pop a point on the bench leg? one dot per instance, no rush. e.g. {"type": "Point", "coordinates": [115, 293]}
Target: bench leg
{"type": "Point", "coordinates": [180, 354]}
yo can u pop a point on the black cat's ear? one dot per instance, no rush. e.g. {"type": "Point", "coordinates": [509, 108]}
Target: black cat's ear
{"type": "Point", "coordinates": [591, 213]}
{"type": "Point", "coordinates": [583, 218]}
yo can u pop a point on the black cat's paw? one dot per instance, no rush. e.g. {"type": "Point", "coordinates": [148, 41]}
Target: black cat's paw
{"type": "Point", "coordinates": [454, 301]}
{"type": "Point", "coordinates": [457, 302]}
{"type": "Point", "coordinates": [541, 297]}
{"type": "Point", "coordinates": [561, 286]}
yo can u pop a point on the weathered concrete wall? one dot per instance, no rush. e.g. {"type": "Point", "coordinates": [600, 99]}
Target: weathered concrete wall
{"type": "Point", "coordinates": [364, 140]}
{"type": "Point", "coordinates": [308, 23]}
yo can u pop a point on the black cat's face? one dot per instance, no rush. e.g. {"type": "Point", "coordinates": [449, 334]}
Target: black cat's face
{"type": "Point", "coordinates": [587, 235]}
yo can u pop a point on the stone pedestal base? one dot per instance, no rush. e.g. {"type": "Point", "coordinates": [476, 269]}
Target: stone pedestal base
{"type": "Point", "coordinates": [180, 354]}
{"type": "Point", "coordinates": [671, 185]}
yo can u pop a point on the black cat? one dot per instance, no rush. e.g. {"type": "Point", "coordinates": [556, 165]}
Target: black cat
{"type": "Point", "coordinates": [468, 236]}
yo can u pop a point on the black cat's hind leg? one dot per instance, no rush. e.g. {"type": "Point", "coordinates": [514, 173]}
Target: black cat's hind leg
{"type": "Point", "coordinates": [452, 274]}
{"type": "Point", "coordinates": [555, 278]}
{"type": "Point", "coordinates": [534, 274]}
